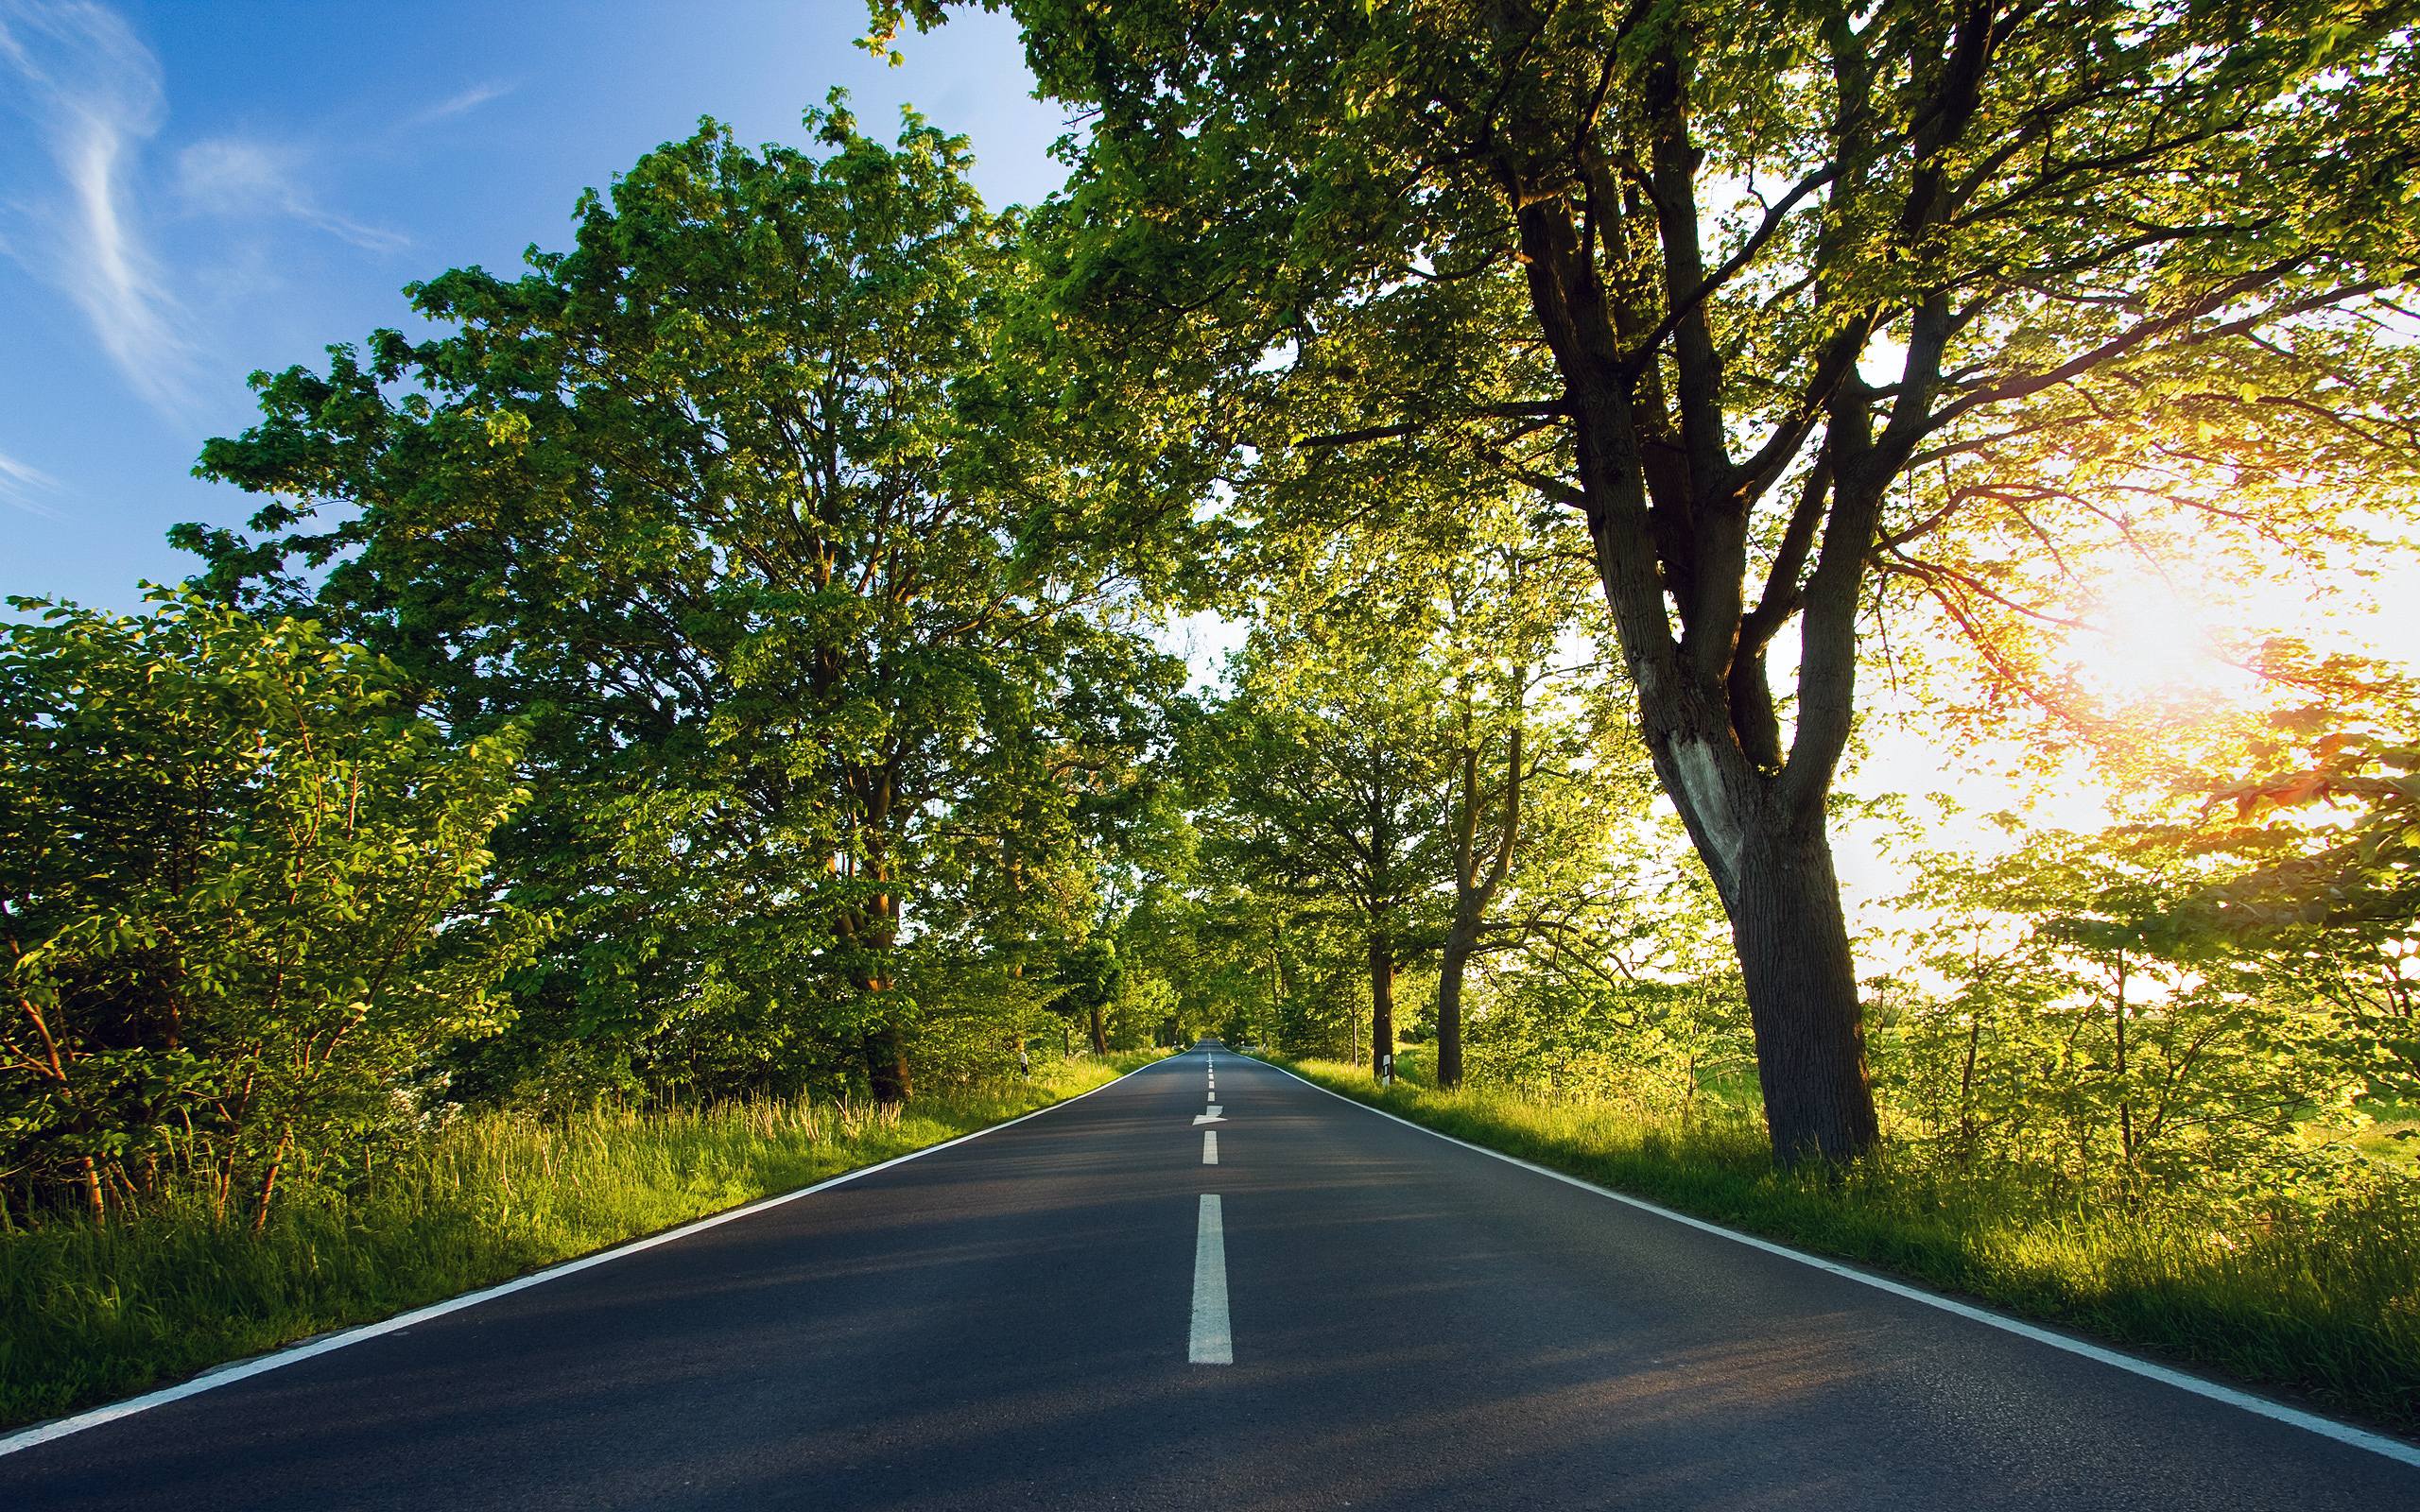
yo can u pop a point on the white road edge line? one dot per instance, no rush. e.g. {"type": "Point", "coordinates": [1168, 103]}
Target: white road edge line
{"type": "Point", "coordinates": [1213, 1341]}
{"type": "Point", "coordinates": [227, 1375]}
{"type": "Point", "coordinates": [2259, 1406]}
{"type": "Point", "coordinates": [1209, 1146]}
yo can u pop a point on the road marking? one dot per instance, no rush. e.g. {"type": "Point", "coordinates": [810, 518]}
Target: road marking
{"type": "Point", "coordinates": [2258, 1406]}
{"type": "Point", "coordinates": [1213, 1341]}
{"type": "Point", "coordinates": [1212, 1116]}
{"type": "Point", "coordinates": [1209, 1146]}
{"type": "Point", "coordinates": [227, 1375]}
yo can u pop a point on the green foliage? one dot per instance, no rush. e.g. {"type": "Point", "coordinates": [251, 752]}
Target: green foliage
{"type": "Point", "coordinates": [2331, 903]}
{"type": "Point", "coordinates": [1144, 1010]}
{"type": "Point", "coordinates": [1647, 1045]}
{"type": "Point", "coordinates": [1328, 785]}
{"type": "Point", "coordinates": [2088, 1025]}
{"type": "Point", "coordinates": [1633, 999]}
{"type": "Point", "coordinates": [2205, 1002]}
{"type": "Point", "coordinates": [246, 896]}
{"type": "Point", "coordinates": [1248, 965]}
{"type": "Point", "coordinates": [741, 505]}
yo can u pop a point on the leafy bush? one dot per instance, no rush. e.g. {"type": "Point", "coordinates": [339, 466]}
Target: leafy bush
{"type": "Point", "coordinates": [243, 894]}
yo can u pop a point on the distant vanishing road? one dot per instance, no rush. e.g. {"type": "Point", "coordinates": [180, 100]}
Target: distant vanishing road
{"type": "Point", "coordinates": [1080, 1311]}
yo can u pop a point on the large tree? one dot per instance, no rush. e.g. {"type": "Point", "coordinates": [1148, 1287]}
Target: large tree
{"type": "Point", "coordinates": [731, 501]}
{"type": "Point", "coordinates": [1784, 277]}
{"type": "Point", "coordinates": [1324, 784]}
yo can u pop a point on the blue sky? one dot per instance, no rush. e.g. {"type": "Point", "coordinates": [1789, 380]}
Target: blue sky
{"type": "Point", "coordinates": [190, 192]}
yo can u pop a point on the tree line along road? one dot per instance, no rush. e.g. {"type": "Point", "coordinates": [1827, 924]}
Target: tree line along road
{"type": "Point", "coordinates": [1207, 1285]}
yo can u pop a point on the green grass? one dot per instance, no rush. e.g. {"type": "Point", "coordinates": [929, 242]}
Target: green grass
{"type": "Point", "coordinates": [2327, 1305]}
{"type": "Point", "coordinates": [2393, 1137]}
{"type": "Point", "coordinates": [91, 1314]}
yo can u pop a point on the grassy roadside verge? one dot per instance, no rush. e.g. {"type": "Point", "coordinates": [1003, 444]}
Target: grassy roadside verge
{"type": "Point", "coordinates": [90, 1315]}
{"type": "Point", "coordinates": [2328, 1308]}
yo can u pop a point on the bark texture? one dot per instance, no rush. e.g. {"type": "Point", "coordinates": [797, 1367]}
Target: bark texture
{"type": "Point", "coordinates": [1382, 1004]}
{"type": "Point", "coordinates": [1480, 870]}
{"type": "Point", "coordinates": [1803, 999]}
{"type": "Point", "coordinates": [1451, 965]}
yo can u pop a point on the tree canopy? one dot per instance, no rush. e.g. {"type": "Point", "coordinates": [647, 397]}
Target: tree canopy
{"type": "Point", "coordinates": [1769, 298]}
{"type": "Point", "coordinates": [730, 504]}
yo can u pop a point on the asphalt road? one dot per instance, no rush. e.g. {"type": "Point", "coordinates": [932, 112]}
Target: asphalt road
{"type": "Point", "coordinates": [1020, 1320]}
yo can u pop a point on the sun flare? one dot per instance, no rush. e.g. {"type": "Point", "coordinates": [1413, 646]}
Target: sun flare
{"type": "Point", "coordinates": [2153, 639]}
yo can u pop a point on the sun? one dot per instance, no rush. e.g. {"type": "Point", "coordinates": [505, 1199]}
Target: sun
{"type": "Point", "coordinates": [2150, 638]}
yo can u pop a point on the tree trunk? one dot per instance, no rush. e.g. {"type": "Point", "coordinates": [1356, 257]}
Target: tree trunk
{"type": "Point", "coordinates": [1671, 528]}
{"type": "Point", "coordinates": [1382, 1004]}
{"type": "Point", "coordinates": [1100, 1033]}
{"type": "Point", "coordinates": [1460, 942]}
{"type": "Point", "coordinates": [886, 1067]}
{"type": "Point", "coordinates": [1785, 920]}
{"type": "Point", "coordinates": [1474, 889]}
{"type": "Point", "coordinates": [1276, 969]}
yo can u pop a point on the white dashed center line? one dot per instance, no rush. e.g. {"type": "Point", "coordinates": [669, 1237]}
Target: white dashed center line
{"type": "Point", "coordinates": [1209, 1146]}
{"type": "Point", "coordinates": [1213, 1341]}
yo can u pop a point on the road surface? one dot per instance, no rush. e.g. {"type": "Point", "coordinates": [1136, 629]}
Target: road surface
{"type": "Point", "coordinates": [1081, 1309]}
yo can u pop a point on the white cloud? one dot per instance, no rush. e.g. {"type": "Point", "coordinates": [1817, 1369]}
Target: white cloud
{"type": "Point", "coordinates": [94, 92]}
{"type": "Point", "coordinates": [23, 484]}
{"type": "Point", "coordinates": [462, 104]}
{"type": "Point", "coordinates": [242, 178]}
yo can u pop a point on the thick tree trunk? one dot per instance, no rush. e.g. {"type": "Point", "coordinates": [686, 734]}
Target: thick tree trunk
{"type": "Point", "coordinates": [886, 1067]}
{"type": "Point", "coordinates": [1382, 1004]}
{"type": "Point", "coordinates": [1785, 920]}
{"type": "Point", "coordinates": [1100, 1033]}
{"type": "Point", "coordinates": [1460, 942]}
